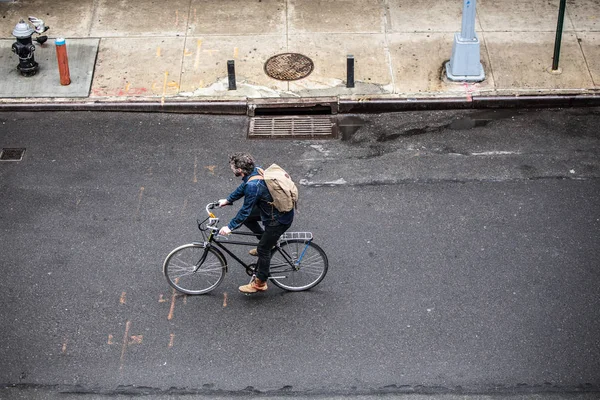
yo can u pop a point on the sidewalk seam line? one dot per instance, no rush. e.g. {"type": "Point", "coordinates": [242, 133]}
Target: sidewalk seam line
{"type": "Point", "coordinates": [489, 57]}
{"type": "Point", "coordinates": [386, 47]}
{"type": "Point", "coordinates": [185, 39]}
{"type": "Point", "coordinates": [287, 33]}
{"type": "Point", "coordinates": [587, 66]}
{"type": "Point", "coordinates": [93, 17]}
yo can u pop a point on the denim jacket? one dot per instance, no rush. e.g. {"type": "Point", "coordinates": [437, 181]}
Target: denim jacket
{"type": "Point", "coordinates": [256, 193]}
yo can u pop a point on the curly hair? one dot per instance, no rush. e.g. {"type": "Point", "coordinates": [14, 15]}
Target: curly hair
{"type": "Point", "coordinates": [243, 161]}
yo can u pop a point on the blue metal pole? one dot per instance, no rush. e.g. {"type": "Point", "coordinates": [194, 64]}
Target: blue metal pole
{"type": "Point", "coordinates": [465, 63]}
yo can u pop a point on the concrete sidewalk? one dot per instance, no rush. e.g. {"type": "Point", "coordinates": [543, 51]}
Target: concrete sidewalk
{"type": "Point", "coordinates": [147, 50]}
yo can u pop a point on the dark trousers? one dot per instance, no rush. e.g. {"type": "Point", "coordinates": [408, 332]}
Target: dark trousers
{"type": "Point", "coordinates": [268, 240]}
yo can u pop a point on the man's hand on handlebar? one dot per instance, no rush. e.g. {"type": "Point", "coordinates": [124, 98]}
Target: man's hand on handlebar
{"type": "Point", "coordinates": [223, 203]}
{"type": "Point", "coordinates": [224, 231]}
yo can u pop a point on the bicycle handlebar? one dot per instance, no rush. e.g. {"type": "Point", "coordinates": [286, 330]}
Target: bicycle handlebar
{"type": "Point", "coordinates": [213, 220]}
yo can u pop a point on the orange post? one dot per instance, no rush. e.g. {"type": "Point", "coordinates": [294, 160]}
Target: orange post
{"type": "Point", "coordinates": [63, 61]}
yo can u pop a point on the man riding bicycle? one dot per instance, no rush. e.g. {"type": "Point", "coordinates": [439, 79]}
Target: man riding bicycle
{"type": "Point", "coordinates": [257, 206]}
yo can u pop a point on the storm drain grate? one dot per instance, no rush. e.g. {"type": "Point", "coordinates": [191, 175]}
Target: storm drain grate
{"type": "Point", "coordinates": [12, 154]}
{"type": "Point", "coordinates": [293, 127]}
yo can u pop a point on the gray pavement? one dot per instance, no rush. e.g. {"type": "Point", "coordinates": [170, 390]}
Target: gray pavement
{"type": "Point", "coordinates": [472, 237]}
{"type": "Point", "coordinates": [150, 51]}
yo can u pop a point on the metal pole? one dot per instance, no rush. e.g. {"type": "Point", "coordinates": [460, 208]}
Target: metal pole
{"type": "Point", "coordinates": [465, 62]}
{"type": "Point", "coordinates": [63, 62]}
{"type": "Point", "coordinates": [559, 29]}
{"type": "Point", "coordinates": [467, 31]}
{"type": "Point", "coordinates": [350, 71]}
{"type": "Point", "coordinates": [231, 74]}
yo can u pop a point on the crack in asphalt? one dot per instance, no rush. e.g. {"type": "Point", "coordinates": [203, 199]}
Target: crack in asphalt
{"type": "Point", "coordinates": [288, 391]}
{"type": "Point", "coordinates": [391, 182]}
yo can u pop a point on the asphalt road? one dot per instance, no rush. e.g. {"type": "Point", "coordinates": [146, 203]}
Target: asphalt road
{"type": "Point", "coordinates": [463, 248]}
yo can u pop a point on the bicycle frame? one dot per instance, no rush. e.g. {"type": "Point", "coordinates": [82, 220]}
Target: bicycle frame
{"type": "Point", "coordinates": [214, 241]}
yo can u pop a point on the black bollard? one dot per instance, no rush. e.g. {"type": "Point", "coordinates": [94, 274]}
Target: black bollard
{"type": "Point", "coordinates": [231, 74]}
{"type": "Point", "coordinates": [350, 71]}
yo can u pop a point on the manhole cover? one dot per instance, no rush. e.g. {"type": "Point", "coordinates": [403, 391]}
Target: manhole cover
{"type": "Point", "coordinates": [12, 154]}
{"type": "Point", "coordinates": [289, 66]}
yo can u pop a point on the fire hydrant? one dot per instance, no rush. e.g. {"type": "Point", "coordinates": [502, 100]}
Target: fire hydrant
{"type": "Point", "coordinates": [24, 46]}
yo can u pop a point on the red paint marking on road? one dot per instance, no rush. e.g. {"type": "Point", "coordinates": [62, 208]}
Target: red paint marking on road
{"type": "Point", "coordinates": [172, 308]}
{"type": "Point", "coordinates": [125, 341]}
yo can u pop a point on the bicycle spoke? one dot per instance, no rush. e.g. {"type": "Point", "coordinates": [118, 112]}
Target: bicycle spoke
{"type": "Point", "coordinates": [290, 274]}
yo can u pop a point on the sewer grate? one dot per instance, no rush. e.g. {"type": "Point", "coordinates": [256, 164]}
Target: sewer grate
{"type": "Point", "coordinates": [293, 127]}
{"type": "Point", "coordinates": [12, 154]}
{"type": "Point", "coordinates": [289, 66]}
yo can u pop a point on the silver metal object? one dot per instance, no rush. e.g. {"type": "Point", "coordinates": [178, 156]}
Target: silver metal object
{"type": "Point", "coordinates": [465, 62]}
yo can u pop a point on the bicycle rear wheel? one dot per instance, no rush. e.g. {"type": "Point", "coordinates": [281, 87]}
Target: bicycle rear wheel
{"type": "Point", "coordinates": [298, 265]}
{"type": "Point", "coordinates": [193, 269]}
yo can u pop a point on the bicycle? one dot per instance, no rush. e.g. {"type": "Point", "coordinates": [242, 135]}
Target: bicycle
{"type": "Point", "coordinates": [297, 263]}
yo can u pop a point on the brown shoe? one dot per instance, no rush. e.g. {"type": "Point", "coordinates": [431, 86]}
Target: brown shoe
{"type": "Point", "coordinates": [255, 285]}
{"type": "Point", "coordinates": [253, 252]}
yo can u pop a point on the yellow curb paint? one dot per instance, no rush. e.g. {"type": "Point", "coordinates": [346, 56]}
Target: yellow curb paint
{"type": "Point", "coordinates": [211, 169]}
{"type": "Point", "coordinates": [122, 300]}
{"type": "Point", "coordinates": [225, 299]}
{"type": "Point", "coordinates": [171, 340]}
{"type": "Point", "coordinates": [110, 339]}
{"type": "Point", "coordinates": [235, 52]}
{"type": "Point", "coordinates": [162, 299]}
{"type": "Point", "coordinates": [158, 52]}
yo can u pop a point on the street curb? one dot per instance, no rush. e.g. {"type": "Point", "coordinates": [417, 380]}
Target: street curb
{"type": "Point", "coordinates": [193, 107]}
{"type": "Point", "coordinates": [476, 102]}
{"type": "Point", "coordinates": [346, 106]}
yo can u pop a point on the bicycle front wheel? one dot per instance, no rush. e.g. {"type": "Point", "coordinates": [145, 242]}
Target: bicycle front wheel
{"type": "Point", "coordinates": [298, 265]}
{"type": "Point", "coordinates": [194, 269]}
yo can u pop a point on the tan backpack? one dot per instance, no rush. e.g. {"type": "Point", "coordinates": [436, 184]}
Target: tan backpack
{"type": "Point", "coordinates": [280, 185]}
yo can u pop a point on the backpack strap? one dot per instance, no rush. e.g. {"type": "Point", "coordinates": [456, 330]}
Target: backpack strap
{"type": "Point", "coordinates": [261, 172]}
